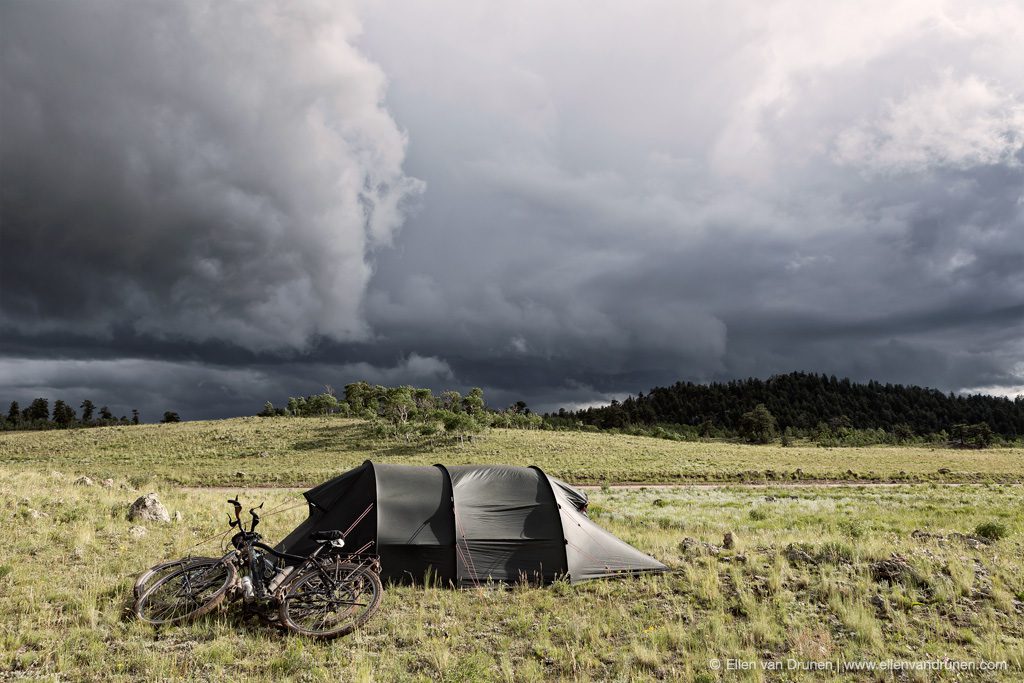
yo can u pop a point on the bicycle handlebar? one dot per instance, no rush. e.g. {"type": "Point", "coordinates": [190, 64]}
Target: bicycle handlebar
{"type": "Point", "coordinates": [237, 521]}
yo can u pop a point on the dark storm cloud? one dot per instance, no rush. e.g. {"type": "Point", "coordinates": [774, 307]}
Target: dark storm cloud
{"type": "Point", "coordinates": [616, 197]}
{"type": "Point", "coordinates": [198, 170]}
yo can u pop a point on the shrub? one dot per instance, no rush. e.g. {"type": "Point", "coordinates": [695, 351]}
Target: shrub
{"type": "Point", "coordinates": [992, 531]}
{"type": "Point", "coordinates": [138, 481]}
{"type": "Point", "coordinates": [836, 553]}
{"type": "Point", "coordinates": [853, 528]}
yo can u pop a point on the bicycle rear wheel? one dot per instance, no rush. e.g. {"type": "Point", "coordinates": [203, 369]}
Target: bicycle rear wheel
{"type": "Point", "coordinates": [187, 593]}
{"type": "Point", "coordinates": [331, 601]}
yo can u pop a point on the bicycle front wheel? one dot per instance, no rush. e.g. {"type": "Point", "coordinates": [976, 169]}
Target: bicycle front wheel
{"type": "Point", "coordinates": [148, 578]}
{"type": "Point", "coordinates": [331, 601]}
{"type": "Point", "coordinates": [187, 593]}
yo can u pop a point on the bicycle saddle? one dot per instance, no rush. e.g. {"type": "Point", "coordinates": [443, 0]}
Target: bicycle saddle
{"type": "Point", "coordinates": [324, 536]}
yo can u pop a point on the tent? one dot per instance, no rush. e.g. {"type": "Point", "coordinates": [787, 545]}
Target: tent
{"type": "Point", "coordinates": [466, 524]}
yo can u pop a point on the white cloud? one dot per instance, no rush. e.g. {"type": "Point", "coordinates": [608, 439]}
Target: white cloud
{"type": "Point", "coordinates": [956, 122]}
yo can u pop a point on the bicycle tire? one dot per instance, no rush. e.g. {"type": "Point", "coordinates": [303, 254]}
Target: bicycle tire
{"type": "Point", "coordinates": [158, 571]}
{"type": "Point", "coordinates": [186, 594]}
{"type": "Point", "coordinates": [356, 588]}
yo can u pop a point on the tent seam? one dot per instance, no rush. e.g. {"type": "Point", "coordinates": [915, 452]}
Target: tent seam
{"type": "Point", "coordinates": [558, 511]}
{"type": "Point", "coordinates": [455, 530]}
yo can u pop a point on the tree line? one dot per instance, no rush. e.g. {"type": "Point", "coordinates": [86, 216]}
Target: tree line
{"type": "Point", "coordinates": [38, 416]}
{"type": "Point", "coordinates": [799, 405]}
{"type": "Point", "coordinates": [406, 411]}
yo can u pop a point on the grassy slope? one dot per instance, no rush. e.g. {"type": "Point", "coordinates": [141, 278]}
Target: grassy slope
{"type": "Point", "coordinates": [286, 451]}
{"type": "Point", "coordinates": [66, 577]}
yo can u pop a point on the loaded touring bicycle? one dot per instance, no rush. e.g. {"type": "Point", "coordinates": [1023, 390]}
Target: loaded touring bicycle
{"type": "Point", "coordinates": [326, 593]}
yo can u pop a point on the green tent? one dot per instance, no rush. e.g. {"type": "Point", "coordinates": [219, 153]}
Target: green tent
{"type": "Point", "coordinates": [467, 524]}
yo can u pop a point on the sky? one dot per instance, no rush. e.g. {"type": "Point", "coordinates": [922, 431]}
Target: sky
{"type": "Point", "coordinates": [208, 204]}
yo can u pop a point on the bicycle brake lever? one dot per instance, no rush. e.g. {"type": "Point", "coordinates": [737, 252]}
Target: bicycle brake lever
{"type": "Point", "coordinates": [255, 517]}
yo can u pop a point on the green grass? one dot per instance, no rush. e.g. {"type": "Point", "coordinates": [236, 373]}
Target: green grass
{"type": "Point", "coordinates": [305, 451]}
{"type": "Point", "coordinates": [799, 585]}
{"type": "Point", "coordinates": [68, 576]}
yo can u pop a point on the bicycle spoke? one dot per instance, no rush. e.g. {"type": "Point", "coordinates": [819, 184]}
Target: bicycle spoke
{"type": "Point", "coordinates": [332, 600]}
{"type": "Point", "coordinates": [184, 593]}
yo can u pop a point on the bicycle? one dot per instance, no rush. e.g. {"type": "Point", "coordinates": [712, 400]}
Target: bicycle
{"type": "Point", "coordinates": [326, 594]}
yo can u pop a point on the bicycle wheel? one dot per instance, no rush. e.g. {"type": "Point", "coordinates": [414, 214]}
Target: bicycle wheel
{"type": "Point", "coordinates": [158, 571]}
{"type": "Point", "coordinates": [187, 593]}
{"type": "Point", "coordinates": [331, 601]}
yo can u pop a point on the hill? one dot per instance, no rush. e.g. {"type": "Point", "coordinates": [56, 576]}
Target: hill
{"type": "Point", "coordinates": [304, 451]}
{"type": "Point", "coordinates": [805, 402]}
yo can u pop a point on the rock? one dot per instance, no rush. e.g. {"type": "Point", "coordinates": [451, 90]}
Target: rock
{"type": "Point", "coordinates": [982, 592]}
{"type": "Point", "coordinates": [944, 470]}
{"type": "Point", "coordinates": [971, 541]}
{"type": "Point", "coordinates": [689, 546]}
{"type": "Point", "coordinates": [770, 499]}
{"type": "Point", "coordinates": [729, 559]}
{"type": "Point", "coordinates": [56, 475]}
{"type": "Point", "coordinates": [36, 514]}
{"type": "Point", "coordinates": [107, 483]}
{"type": "Point", "coordinates": [148, 508]}
{"type": "Point", "coordinates": [84, 481]}
{"type": "Point", "coordinates": [893, 570]}
{"type": "Point", "coordinates": [264, 454]}
{"type": "Point", "coordinates": [729, 541]}
{"type": "Point", "coordinates": [177, 515]}
{"type": "Point", "coordinates": [137, 532]}
{"type": "Point", "coordinates": [79, 552]}
{"type": "Point", "coordinates": [797, 555]}
{"type": "Point", "coordinates": [880, 605]}
{"type": "Point", "coordinates": [240, 475]}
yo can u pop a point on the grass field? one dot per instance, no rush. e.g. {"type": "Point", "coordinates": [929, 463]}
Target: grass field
{"type": "Point", "coordinates": [804, 583]}
{"type": "Point", "coordinates": [290, 451]}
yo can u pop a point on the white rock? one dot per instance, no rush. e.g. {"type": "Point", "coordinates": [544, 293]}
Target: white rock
{"type": "Point", "coordinates": [107, 483]}
{"type": "Point", "coordinates": [148, 508]}
{"type": "Point", "coordinates": [137, 531]}
{"type": "Point", "coordinates": [84, 481]}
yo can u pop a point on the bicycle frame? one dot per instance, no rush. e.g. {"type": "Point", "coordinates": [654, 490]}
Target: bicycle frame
{"type": "Point", "coordinates": [247, 540]}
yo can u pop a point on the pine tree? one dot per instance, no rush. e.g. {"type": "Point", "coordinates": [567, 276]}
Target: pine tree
{"type": "Point", "coordinates": [88, 408]}
{"type": "Point", "coordinates": [758, 425]}
{"type": "Point", "coordinates": [38, 410]}
{"type": "Point", "coordinates": [63, 414]}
